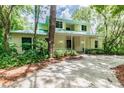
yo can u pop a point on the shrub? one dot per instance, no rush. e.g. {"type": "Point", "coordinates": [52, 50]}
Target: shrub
{"type": "Point", "coordinates": [94, 51]}
{"type": "Point", "coordinates": [121, 51]}
{"type": "Point", "coordinates": [61, 53]}
{"type": "Point", "coordinates": [67, 52]}
{"type": "Point", "coordinates": [14, 59]}
{"type": "Point", "coordinates": [42, 48]}
{"type": "Point", "coordinates": [73, 53]}
{"type": "Point", "coordinates": [8, 61]}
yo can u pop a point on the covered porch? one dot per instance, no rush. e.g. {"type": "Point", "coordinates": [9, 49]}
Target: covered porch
{"type": "Point", "coordinates": [75, 41]}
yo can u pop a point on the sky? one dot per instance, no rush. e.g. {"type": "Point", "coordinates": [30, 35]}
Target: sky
{"type": "Point", "coordinates": [63, 11]}
{"type": "Point", "coordinates": [66, 11]}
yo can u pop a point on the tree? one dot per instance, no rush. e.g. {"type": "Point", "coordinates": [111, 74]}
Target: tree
{"type": "Point", "coordinates": [109, 22]}
{"type": "Point", "coordinates": [36, 21]}
{"type": "Point", "coordinates": [5, 18]}
{"type": "Point", "coordinates": [111, 25]}
{"type": "Point", "coordinates": [102, 10]}
{"type": "Point", "coordinates": [9, 14]}
{"type": "Point", "coordinates": [86, 14]}
{"type": "Point", "coordinates": [52, 30]}
{"type": "Point", "coordinates": [83, 13]}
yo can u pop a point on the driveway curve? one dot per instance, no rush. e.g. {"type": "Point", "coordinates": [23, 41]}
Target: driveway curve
{"type": "Point", "coordinates": [89, 72]}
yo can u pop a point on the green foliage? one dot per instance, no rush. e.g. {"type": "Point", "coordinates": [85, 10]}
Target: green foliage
{"type": "Point", "coordinates": [121, 51]}
{"type": "Point", "coordinates": [7, 61]}
{"type": "Point", "coordinates": [61, 53]}
{"type": "Point", "coordinates": [28, 57]}
{"type": "Point", "coordinates": [117, 9]}
{"type": "Point", "coordinates": [18, 19]}
{"type": "Point", "coordinates": [1, 40]}
{"type": "Point", "coordinates": [18, 23]}
{"type": "Point", "coordinates": [72, 52]}
{"type": "Point", "coordinates": [42, 47]}
{"type": "Point", "coordinates": [94, 51]}
{"type": "Point", "coordinates": [83, 13]}
{"type": "Point", "coordinates": [110, 25]}
{"type": "Point", "coordinates": [14, 59]}
{"type": "Point", "coordinates": [100, 8]}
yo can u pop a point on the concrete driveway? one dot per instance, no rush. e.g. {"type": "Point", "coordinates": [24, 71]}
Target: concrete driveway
{"type": "Point", "coordinates": [90, 72]}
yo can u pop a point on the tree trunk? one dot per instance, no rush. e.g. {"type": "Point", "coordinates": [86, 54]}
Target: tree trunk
{"type": "Point", "coordinates": [37, 12]}
{"type": "Point", "coordinates": [6, 38]}
{"type": "Point", "coordinates": [6, 22]}
{"type": "Point", "coordinates": [52, 27]}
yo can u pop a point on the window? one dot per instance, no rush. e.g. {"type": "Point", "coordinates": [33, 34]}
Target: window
{"type": "Point", "coordinates": [46, 39]}
{"type": "Point", "coordinates": [68, 42]}
{"type": "Point", "coordinates": [96, 44]}
{"type": "Point", "coordinates": [58, 24]}
{"type": "Point", "coordinates": [67, 28]}
{"type": "Point", "coordinates": [84, 28]}
{"type": "Point", "coordinates": [26, 43]}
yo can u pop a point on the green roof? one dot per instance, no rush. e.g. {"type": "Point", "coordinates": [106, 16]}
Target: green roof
{"type": "Point", "coordinates": [39, 32]}
{"type": "Point", "coordinates": [42, 32]}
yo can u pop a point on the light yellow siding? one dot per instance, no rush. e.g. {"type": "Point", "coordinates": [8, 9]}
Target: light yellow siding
{"type": "Point", "coordinates": [64, 25]}
{"type": "Point", "coordinates": [17, 39]}
{"type": "Point", "coordinates": [77, 27]}
{"type": "Point", "coordinates": [100, 42]}
{"type": "Point", "coordinates": [60, 42]}
{"type": "Point", "coordinates": [80, 42]}
{"type": "Point", "coordinates": [77, 44]}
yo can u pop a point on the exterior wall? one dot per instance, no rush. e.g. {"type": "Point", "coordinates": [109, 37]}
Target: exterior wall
{"type": "Point", "coordinates": [100, 42]}
{"type": "Point", "coordinates": [93, 42]}
{"type": "Point", "coordinates": [17, 39]}
{"type": "Point", "coordinates": [77, 27]}
{"type": "Point", "coordinates": [85, 42]}
{"type": "Point", "coordinates": [90, 42]}
{"type": "Point", "coordinates": [60, 41]}
{"type": "Point", "coordinates": [77, 44]}
{"type": "Point", "coordinates": [88, 27]}
{"type": "Point", "coordinates": [80, 42]}
{"type": "Point", "coordinates": [64, 25]}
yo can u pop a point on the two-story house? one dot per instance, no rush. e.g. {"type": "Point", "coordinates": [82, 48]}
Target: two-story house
{"type": "Point", "coordinates": [69, 34]}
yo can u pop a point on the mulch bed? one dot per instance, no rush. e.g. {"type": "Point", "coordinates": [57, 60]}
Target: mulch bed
{"type": "Point", "coordinates": [8, 76]}
{"type": "Point", "coordinates": [119, 71]}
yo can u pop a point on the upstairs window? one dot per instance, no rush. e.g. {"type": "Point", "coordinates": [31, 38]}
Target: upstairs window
{"type": "Point", "coordinates": [96, 44]}
{"type": "Point", "coordinates": [67, 28]}
{"type": "Point", "coordinates": [26, 43]}
{"type": "Point", "coordinates": [84, 28]}
{"type": "Point", "coordinates": [58, 24]}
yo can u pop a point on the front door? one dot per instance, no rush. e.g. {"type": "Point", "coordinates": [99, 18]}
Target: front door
{"type": "Point", "coordinates": [68, 43]}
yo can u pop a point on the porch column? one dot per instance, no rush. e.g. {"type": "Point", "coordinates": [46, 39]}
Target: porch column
{"type": "Point", "coordinates": [71, 42]}
{"type": "Point", "coordinates": [84, 46]}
